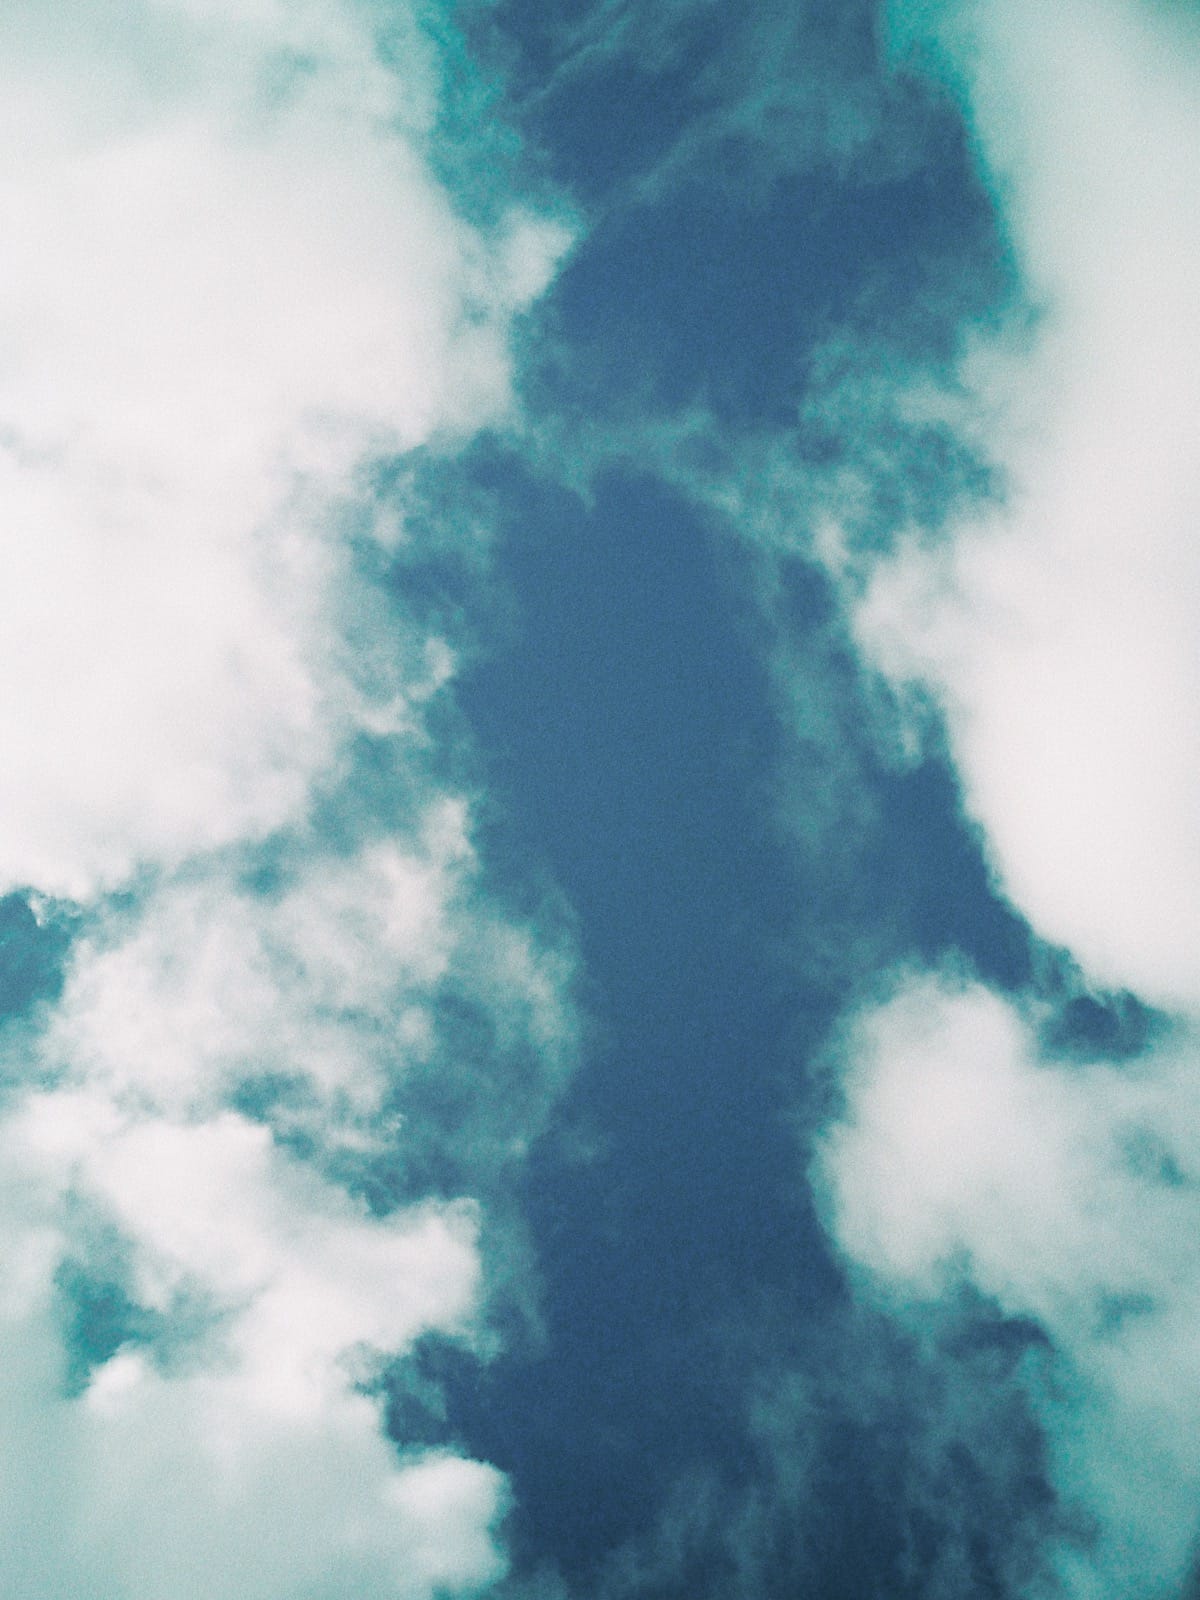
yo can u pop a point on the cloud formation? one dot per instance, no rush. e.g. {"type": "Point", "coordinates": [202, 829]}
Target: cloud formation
{"type": "Point", "coordinates": [228, 273]}
{"type": "Point", "coordinates": [231, 281]}
{"type": "Point", "coordinates": [1056, 629]}
{"type": "Point", "coordinates": [1068, 1194]}
{"type": "Point", "coordinates": [1050, 633]}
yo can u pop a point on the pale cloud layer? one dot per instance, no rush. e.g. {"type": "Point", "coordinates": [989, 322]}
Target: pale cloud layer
{"type": "Point", "coordinates": [229, 280]}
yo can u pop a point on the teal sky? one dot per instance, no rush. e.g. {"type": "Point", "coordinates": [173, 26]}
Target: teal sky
{"type": "Point", "coordinates": [597, 794]}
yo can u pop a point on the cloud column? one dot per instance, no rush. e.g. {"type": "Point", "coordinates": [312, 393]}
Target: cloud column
{"type": "Point", "coordinates": [1055, 633]}
{"type": "Point", "coordinates": [229, 281]}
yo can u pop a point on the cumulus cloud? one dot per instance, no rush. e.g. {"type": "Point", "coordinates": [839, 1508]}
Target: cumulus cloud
{"type": "Point", "coordinates": [1056, 631]}
{"type": "Point", "coordinates": [228, 270]}
{"type": "Point", "coordinates": [247, 1455]}
{"type": "Point", "coordinates": [230, 282]}
{"type": "Point", "coordinates": [1050, 631]}
{"type": "Point", "coordinates": [1066, 1193]}
{"type": "Point", "coordinates": [227, 1212]}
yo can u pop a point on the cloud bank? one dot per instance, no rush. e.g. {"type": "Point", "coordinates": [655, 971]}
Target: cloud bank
{"type": "Point", "coordinates": [1056, 630]}
{"type": "Point", "coordinates": [228, 273]}
{"type": "Point", "coordinates": [1051, 634]}
{"type": "Point", "coordinates": [968, 1156]}
{"type": "Point", "coordinates": [230, 281]}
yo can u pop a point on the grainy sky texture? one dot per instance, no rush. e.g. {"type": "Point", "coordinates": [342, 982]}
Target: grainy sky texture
{"type": "Point", "coordinates": [599, 800]}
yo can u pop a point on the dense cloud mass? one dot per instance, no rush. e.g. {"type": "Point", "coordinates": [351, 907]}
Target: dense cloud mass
{"type": "Point", "coordinates": [1052, 631]}
{"type": "Point", "coordinates": [1067, 1194]}
{"type": "Point", "coordinates": [1057, 630]}
{"type": "Point", "coordinates": [229, 274]}
{"type": "Point", "coordinates": [230, 281]}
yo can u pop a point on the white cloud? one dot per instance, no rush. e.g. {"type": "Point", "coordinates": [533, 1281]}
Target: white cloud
{"type": "Point", "coordinates": [214, 296]}
{"type": "Point", "coordinates": [1066, 1193]}
{"type": "Point", "coordinates": [211, 986]}
{"type": "Point", "coordinates": [250, 1458]}
{"type": "Point", "coordinates": [229, 280]}
{"type": "Point", "coordinates": [227, 1432]}
{"type": "Point", "coordinates": [1058, 631]}
{"type": "Point", "coordinates": [157, 1480]}
{"type": "Point", "coordinates": [1054, 631]}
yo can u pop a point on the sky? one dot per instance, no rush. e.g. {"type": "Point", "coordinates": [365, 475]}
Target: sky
{"type": "Point", "coordinates": [598, 800]}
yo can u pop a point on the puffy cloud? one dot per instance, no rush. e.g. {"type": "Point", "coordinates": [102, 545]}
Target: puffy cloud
{"type": "Point", "coordinates": [1067, 1193]}
{"type": "Point", "coordinates": [212, 986]}
{"type": "Point", "coordinates": [1051, 631]}
{"type": "Point", "coordinates": [230, 282]}
{"type": "Point", "coordinates": [246, 1454]}
{"type": "Point", "coordinates": [214, 1237]}
{"type": "Point", "coordinates": [1056, 630]}
{"type": "Point", "coordinates": [228, 271]}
